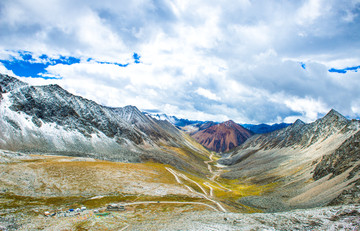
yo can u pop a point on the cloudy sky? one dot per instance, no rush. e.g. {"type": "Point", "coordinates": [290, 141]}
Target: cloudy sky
{"type": "Point", "coordinates": [252, 61]}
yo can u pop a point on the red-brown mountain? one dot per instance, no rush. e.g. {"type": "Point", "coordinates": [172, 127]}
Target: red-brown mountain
{"type": "Point", "coordinates": [223, 137]}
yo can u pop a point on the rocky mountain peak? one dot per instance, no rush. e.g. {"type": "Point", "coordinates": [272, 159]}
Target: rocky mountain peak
{"type": "Point", "coordinates": [154, 129]}
{"type": "Point", "coordinates": [130, 113]}
{"type": "Point", "coordinates": [298, 124]}
{"type": "Point", "coordinates": [333, 115]}
{"type": "Point", "coordinates": [230, 123]}
{"type": "Point", "coordinates": [131, 108]}
{"type": "Point", "coordinates": [8, 83]}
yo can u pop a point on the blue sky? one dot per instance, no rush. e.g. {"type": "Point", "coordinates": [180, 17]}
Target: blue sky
{"type": "Point", "coordinates": [249, 61]}
{"type": "Point", "coordinates": [25, 64]}
{"type": "Point", "coordinates": [344, 70]}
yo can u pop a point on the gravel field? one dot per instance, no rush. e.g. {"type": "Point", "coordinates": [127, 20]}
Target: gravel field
{"type": "Point", "coordinates": [186, 218]}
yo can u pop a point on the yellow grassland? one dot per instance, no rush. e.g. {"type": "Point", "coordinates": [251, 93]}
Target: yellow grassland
{"type": "Point", "coordinates": [230, 191]}
{"type": "Point", "coordinates": [74, 181]}
{"type": "Point", "coordinates": [239, 189]}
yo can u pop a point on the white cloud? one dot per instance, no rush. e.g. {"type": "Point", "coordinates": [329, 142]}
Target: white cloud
{"type": "Point", "coordinates": [205, 60]}
{"type": "Point", "coordinates": [206, 93]}
{"type": "Point", "coordinates": [355, 108]}
{"type": "Point", "coordinates": [310, 11]}
{"type": "Point", "coordinates": [309, 108]}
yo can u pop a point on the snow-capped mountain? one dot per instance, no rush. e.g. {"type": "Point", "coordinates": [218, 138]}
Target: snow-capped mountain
{"type": "Point", "coordinates": [174, 120]}
{"type": "Point", "coordinates": [171, 119]}
{"type": "Point", "coordinates": [48, 119]}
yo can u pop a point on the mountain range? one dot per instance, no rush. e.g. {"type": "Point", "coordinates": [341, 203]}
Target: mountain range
{"type": "Point", "coordinates": [193, 126]}
{"type": "Point", "coordinates": [264, 128]}
{"type": "Point", "coordinates": [60, 149]}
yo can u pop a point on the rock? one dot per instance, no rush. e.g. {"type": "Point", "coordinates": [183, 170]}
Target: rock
{"type": "Point", "coordinates": [348, 212]}
{"type": "Point", "coordinates": [334, 218]}
{"type": "Point", "coordinates": [315, 223]}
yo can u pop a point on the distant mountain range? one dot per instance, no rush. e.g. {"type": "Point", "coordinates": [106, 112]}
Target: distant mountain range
{"type": "Point", "coordinates": [193, 126]}
{"type": "Point", "coordinates": [219, 138]}
{"type": "Point", "coordinates": [174, 120]}
{"type": "Point", "coordinates": [264, 128]}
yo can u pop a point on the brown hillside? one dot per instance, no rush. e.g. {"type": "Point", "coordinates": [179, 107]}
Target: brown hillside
{"type": "Point", "coordinates": [223, 137]}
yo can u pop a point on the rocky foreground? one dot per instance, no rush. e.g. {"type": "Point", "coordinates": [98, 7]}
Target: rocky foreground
{"type": "Point", "coordinates": [328, 218]}
{"type": "Point", "coordinates": [152, 218]}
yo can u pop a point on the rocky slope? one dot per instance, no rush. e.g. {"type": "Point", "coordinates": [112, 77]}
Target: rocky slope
{"type": "Point", "coordinates": [222, 137]}
{"type": "Point", "coordinates": [311, 164]}
{"type": "Point", "coordinates": [153, 128]}
{"type": "Point", "coordinates": [48, 119]}
{"type": "Point", "coordinates": [345, 160]}
{"type": "Point", "coordinates": [329, 218]}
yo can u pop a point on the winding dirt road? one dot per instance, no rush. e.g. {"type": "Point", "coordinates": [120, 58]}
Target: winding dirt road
{"type": "Point", "coordinates": [182, 179]}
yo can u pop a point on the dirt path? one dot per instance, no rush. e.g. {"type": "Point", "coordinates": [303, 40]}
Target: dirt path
{"type": "Point", "coordinates": [169, 202]}
{"type": "Point", "coordinates": [215, 175]}
{"type": "Point", "coordinates": [205, 194]}
{"type": "Point", "coordinates": [186, 178]}
{"type": "Point", "coordinates": [210, 161]}
{"type": "Point", "coordinates": [125, 227]}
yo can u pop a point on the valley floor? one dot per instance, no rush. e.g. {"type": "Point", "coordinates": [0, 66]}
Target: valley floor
{"type": "Point", "coordinates": [155, 196]}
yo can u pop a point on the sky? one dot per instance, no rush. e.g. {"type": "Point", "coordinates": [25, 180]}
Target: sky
{"type": "Point", "coordinates": [252, 61]}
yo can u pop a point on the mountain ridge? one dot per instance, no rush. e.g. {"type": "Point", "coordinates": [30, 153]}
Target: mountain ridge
{"type": "Point", "coordinates": [304, 164]}
{"type": "Point", "coordinates": [145, 123]}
